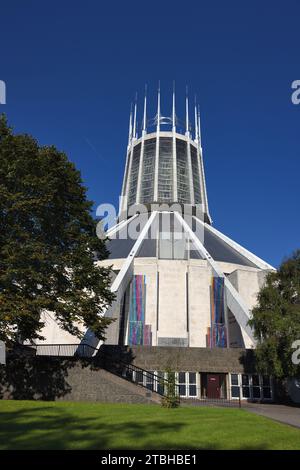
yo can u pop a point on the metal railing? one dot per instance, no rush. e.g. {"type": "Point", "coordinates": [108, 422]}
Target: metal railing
{"type": "Point", "coordinates": [65, 350]}
{"type": "Point", "coordinates": [149, 380]}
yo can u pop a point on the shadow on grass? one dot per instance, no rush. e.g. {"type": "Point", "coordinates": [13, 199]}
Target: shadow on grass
{"type": "Point", "coordinates": [48, 427]}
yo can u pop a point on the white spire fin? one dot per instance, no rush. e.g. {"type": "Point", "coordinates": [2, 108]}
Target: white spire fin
{"type": "Point", "coordinates": [173, 110]}
{"type": "Point", "coordinates": [187, 124]}
{"type": "Point", "coordinates": [158, 108]}
{"type": "Point", "coordinates": [134, 118]}
{"type": "Point", "coordinates": [130, 126]}
{"type": "Point", "coordinates": [199, 128]}
{"type": "Point", "coordinates": [196, 121]}
{"type": "Point", "coordinates": [145, 112]}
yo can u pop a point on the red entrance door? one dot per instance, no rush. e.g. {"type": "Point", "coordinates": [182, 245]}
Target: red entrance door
{"type": "Point", "coordinates": [213, 386]}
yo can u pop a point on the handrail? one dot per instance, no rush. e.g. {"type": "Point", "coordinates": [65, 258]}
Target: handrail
{"type": "Point", "coordinates": [152, 381]}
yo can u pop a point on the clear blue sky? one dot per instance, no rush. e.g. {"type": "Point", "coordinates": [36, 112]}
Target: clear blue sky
{"type": "Point", "coordinates": [72, 68]}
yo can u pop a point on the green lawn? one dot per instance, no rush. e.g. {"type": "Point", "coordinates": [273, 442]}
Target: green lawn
{"type": "Point", "coordinates": [66, 425]}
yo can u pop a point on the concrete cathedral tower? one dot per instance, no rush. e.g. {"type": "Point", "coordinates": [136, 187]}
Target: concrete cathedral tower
{"type": "Point", "coordinates": [179, 281]}
{"type": "Point", "coordinates": [181, 285]}
{"type": "Point", "coordinates": [164, 162]}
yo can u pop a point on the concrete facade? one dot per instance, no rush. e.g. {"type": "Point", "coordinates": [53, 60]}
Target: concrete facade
{"type": "Point", "coordinates": [178, 302]}
{"type": "Point", "coordinates": [164, 165]}
{"type": "Point", "coordinates": [178, 298]}
{"type": "Point", "coordinates": [188, 298]}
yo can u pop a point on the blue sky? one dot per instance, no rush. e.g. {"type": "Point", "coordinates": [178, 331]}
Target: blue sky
{"type": "Point", "coordinates": [72, 68]}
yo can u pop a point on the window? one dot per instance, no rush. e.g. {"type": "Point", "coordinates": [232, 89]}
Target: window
{"type": "Point", "coordinates": [235, 387]}
{"type": "Point", "coordinates": [235, 392]}
{"type": "Point", "coordinates": [255, 380]}
{"type": "Point", "coordinates": [150, 380]}
{"type": "Point", "coordinates": [182, 383]}
{"type": "Point", "coordinates": [234, 379]}
{"type": "Point", "coordinates": [192, 384]}
{"type": "Point", "coordinates": [183, 187]}
{"type": "Point", "coordinates": [160, 382]}
{"type": "Point", "coordinates": [256, 392]}
{"type": "Point", "coordinates": [266, 381]}
{"type": "Point", "coordinates": [195, 172]}
{"type": "Point", "coordinates": [172, 243]}
{"type": "Point", "coordinates": [165, 172]}
{"type": "Point", "coordinates": [139, 377]}
{"type": "Point", "coordinates": [187, 382]}
{"type": "Point", "coordinates": [181, 377]}
{"type": "Point", "coordinates": [253, 386]}
{"type": "Point", "coordinates": [148, 171]}
{"type": "Point", "coordinates": [134, 174]}
{"type": "Point", "coordinates": [266, 387]}
{"type": "Point", "coordinates": [245, 386]}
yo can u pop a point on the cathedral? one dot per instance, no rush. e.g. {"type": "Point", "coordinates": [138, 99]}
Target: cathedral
{"type": "Point", "coordinates": [184, 290]}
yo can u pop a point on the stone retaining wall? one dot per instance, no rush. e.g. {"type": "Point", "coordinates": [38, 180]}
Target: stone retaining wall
{"type": "Point", "coordinates": [225, 360]}
{"type": "Point", "coordinates": [46, 378]}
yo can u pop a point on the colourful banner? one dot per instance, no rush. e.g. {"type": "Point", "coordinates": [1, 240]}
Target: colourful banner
{"type": "Point", "coordinates": [217, 334]}
{"type": "Point", "coordinates": [139, 333]}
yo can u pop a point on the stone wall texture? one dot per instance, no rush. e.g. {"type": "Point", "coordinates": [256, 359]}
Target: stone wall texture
{"type": "Point", "coordinates": [73, 379]}
{"type": "Point", "coordinates": [45, 378]}
{"type": "Point", "coordinates": [158, 358]}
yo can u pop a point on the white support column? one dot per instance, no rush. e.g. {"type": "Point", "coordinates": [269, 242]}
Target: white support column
{"type": "Point", "coordinates": [132, 133]}
{"type": "Point", "coordinates": [175, 196]}
{"type": "Point", "coordinates": [202, 190]}
{"type": "Point", "coordinates": [234, 301]}
{"type": "Point", "coordinates": [191, 182]}
{"type": "Point", "coordinates": [201, 169]}
{"type": "Point", "coordinates": [157, 147]}
{"type": "Point", "coordinates": [127, 269]}
{"type": "Point", "coordinates": [123, 204]}
{"type": "Point", "coordinates": [199, 161]}
{"type": "Point", "coordinates": [124, 276]}
{"type": "Point", "coordinates": [205, 200]}
{"type": "Point", "coordinates": [119, 226]}
{"type": "Point", "coordinates": [127, 185]}
{"type": "Point", "coordinates": [122, 207]}
{"type": "Point", "coordinates": [197, 140]}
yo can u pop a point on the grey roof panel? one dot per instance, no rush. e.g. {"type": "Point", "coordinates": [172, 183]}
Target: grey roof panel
{"type": "Point", "coordinates": [119, 248]}
{"type": "Point", "coordinates": [219, 250]}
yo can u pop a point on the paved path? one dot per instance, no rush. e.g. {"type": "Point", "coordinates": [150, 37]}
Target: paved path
{"type": "Point", "coordinates": [284, 414]}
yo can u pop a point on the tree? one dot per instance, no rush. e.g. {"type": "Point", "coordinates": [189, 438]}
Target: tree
{"type": "Point", "coordinates": [276, 320]}
{"type": "Point", "coordinates": [171, 397]}
{"type": "Point", "coordinates": [48, 243]}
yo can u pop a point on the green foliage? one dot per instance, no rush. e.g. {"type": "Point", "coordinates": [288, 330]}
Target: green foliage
{"type": "Point", "coordinates": [48, 244]}
{"type": "Point", "coordinates": [171, 398]}
{"type": "Point", "coordinates": [276, 320]}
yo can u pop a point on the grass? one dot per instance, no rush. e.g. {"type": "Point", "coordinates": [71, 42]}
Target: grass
{"type": "Point", "coordinates": [67, 425]}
